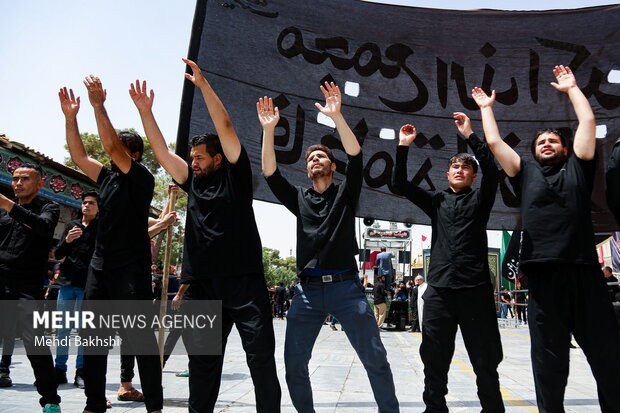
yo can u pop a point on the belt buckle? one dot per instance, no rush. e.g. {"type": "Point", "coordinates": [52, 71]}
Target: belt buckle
{"type": "Point", "coordinates": [326, 278]}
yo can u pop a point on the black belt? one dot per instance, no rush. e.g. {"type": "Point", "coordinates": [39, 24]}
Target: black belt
{"type": "Point", "coordinates": [329, 278]}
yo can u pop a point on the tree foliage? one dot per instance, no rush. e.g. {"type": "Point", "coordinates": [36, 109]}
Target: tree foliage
{"type": "Point", "coordinates": [94, 149]}
{"type": "Point", "coordinates": [277, 268]}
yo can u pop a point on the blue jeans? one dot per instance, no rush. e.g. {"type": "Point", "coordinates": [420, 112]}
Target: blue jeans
{"type": "Point", "coordinates": [346, 301]}
{"type": "Point", "coordinates": [503, 312]}
{"type": "Point", "coordinates": [69, 298]}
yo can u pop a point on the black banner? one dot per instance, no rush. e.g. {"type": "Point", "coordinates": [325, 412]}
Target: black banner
{"type": "Point", "coordinates": [400, 65]}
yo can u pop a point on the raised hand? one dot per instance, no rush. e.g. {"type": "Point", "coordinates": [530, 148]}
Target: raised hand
{"type": "Point", "coordinates": [96, 92]}
{"type": "Point", "coordinates": [564, 77]}
{"type": "Point", "coordinates": [142, 100]}
{"type": "Point", "coordinates": [481, 98]}
{"type": "Point", "coordinates": [463, 124]}
{"type": "Point", "coordinates": [332, 100]}
{"type": "Point", "coordinates": [196, 77]}
{"type": "Point", "coordinates": [68, 103]}
{"type": "Point", "coordinates": [268, 116]}
{"type": "Point", "coordinates": [406, 135]}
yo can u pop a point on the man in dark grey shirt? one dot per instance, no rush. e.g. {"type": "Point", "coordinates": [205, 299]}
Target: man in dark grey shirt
{"type": "Point", "coordinates": [458, 275]}
{"type": "Point", "coordinates": [326, 249]}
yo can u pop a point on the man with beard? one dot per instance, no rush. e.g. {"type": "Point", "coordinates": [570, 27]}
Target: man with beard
{"type": "Point", "coordinates": [326, 249]}
{"type": "Point", "coordinates": [27, 226]}
{"type": "Point", "coordinates": [220, 229]}
{"type": "Point", "coordinates": [567, 293]}
{"type": "Point", "coordinates": [120, 266]}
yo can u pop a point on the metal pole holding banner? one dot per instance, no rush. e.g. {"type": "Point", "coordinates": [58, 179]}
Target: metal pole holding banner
{"type": "Point", "coordinates": [170, 206]}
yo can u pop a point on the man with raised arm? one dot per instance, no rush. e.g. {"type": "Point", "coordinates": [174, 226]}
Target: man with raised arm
{"type": "Point", "coordinates": [458, 275]}
{"type": "Point", "coordinates": [567, 293]}
{"type": "Point", "coordinates": [222, 248]}
{"type": "Point", "coordinates": [27, 224]}
{"type": "Point", "coordinates": [120, 266]}
{"type": "Point", "coordinates": [326, 265]}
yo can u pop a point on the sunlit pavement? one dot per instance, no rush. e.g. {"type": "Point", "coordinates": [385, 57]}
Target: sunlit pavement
{"type": "Point", "coordinates": [339, 380]}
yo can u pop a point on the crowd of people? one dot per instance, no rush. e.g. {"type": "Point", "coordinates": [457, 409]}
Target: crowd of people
{"type": "Point", "coordinates": [110, 254]}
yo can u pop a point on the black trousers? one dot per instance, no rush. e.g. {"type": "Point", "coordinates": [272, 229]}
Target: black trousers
{"type": "Point", "coordinates": [612, 177]}
{"type": "Point", "coordinates": [40, 357]}
{"type": "Point", "coordinates": [567, 299]}
{"type": "Point", "coordinates": [473, 310]}
{"type": "Point", "coordinates": [245, 303]}
{"type": "Point", "coordinates": [128, 283]}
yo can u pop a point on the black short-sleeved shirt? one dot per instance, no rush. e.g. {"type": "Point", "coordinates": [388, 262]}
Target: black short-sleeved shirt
{"type": "Point", "coordinates": [325, 221]}
{"type": "Point", "coordinates": [459, 219]}
{"type": "Point", "coordinates": [77, 254]}
{"type": "Point", "coordinates": [379, 293]}
{"type": "Point", "coordinates": [555, 211]}
{"type": "Point", "coordinates": [26, 235]}
{"type": "Point", "coordinates": [122, 234]}
{"type": "Point", "coordinates": [221, 237]}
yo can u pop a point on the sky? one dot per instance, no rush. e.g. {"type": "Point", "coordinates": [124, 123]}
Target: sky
{"type": "Point", "coordinates": [45, 45]}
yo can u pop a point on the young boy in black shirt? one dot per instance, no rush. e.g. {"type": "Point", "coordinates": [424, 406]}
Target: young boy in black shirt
{"type": "Point", "coordinates": [458, 275]}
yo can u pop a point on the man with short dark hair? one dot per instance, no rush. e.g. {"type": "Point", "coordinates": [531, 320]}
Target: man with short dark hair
{"type": "Point", "coordinates": [380, 300]}
{"type": "Point", "coordinates": [27, 226]}
{"type": "Point", "coordinates": [220, 225]}
{"type": "Point", "coordinates": [566, 291]}
{"type": "Point", "coordinates": [384, 264]}
{"type": "Point", "coordinates": [326, 249]}
{"type": "Point", "coordinates": [280, 298]}
{"type": "Point", "coordinates": [609, 278]}
{"type": "Point", "coordinates": [120, 266]}
{"type": "Point", "coordinates": [76, 247]}
{"type": "Point", "coordinates": [458, 275]}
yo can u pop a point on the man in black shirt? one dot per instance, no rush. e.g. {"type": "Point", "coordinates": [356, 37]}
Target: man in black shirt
{"type": "Point", "coordinates": [27, 226]}
{"type": "Point", "coordinates": [220, 228]}
{"type": "Point", "coordinates": [120, 266]}
{"type": "Point", "coordinates": [613, 181]}
{"type": "Point", "coordinates": [458, 275]}
{"type": "Point", "coordinates": [76, 247]}
{"type": "Point", "coordinates": [609, 278]}
{"type": "Point", "coordinates": [380, 296]}
{"type": "Point", "coordinates": [280, 298]}
{"type": "Point", "coordinates": [326, 249]}
{"type": "Point", "coordinates": [566, 291]}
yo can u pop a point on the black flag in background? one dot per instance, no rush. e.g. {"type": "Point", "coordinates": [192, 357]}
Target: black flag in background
{"type": "Point", "coordinates": [400, 65]}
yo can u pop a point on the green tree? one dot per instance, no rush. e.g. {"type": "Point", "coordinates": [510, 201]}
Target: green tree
{"type": "Point", "coordinates": [278, 269]}
{"type": "Point", "coordinates": [94, 149]}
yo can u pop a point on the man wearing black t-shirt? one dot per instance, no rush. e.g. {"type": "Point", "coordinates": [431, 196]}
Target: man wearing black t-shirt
{"type": "Point", "coordinates": [326, 249]}
{"type": "Point", "coordinates": [458, 275]}
{"type": "Point", "coordinates": [27, 226]}
{"type": "Point", "coordinates": [380, 297]}
{"type": "Point", "coordinates": [120, 266]}
{"type": "Point", "coordinates": [567, 293]}
{"type": "Point", "coordinates": [222, 248]}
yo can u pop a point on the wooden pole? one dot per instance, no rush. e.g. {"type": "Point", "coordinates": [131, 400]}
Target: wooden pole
{"type": "Point", "coordinates": [172, 200]}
